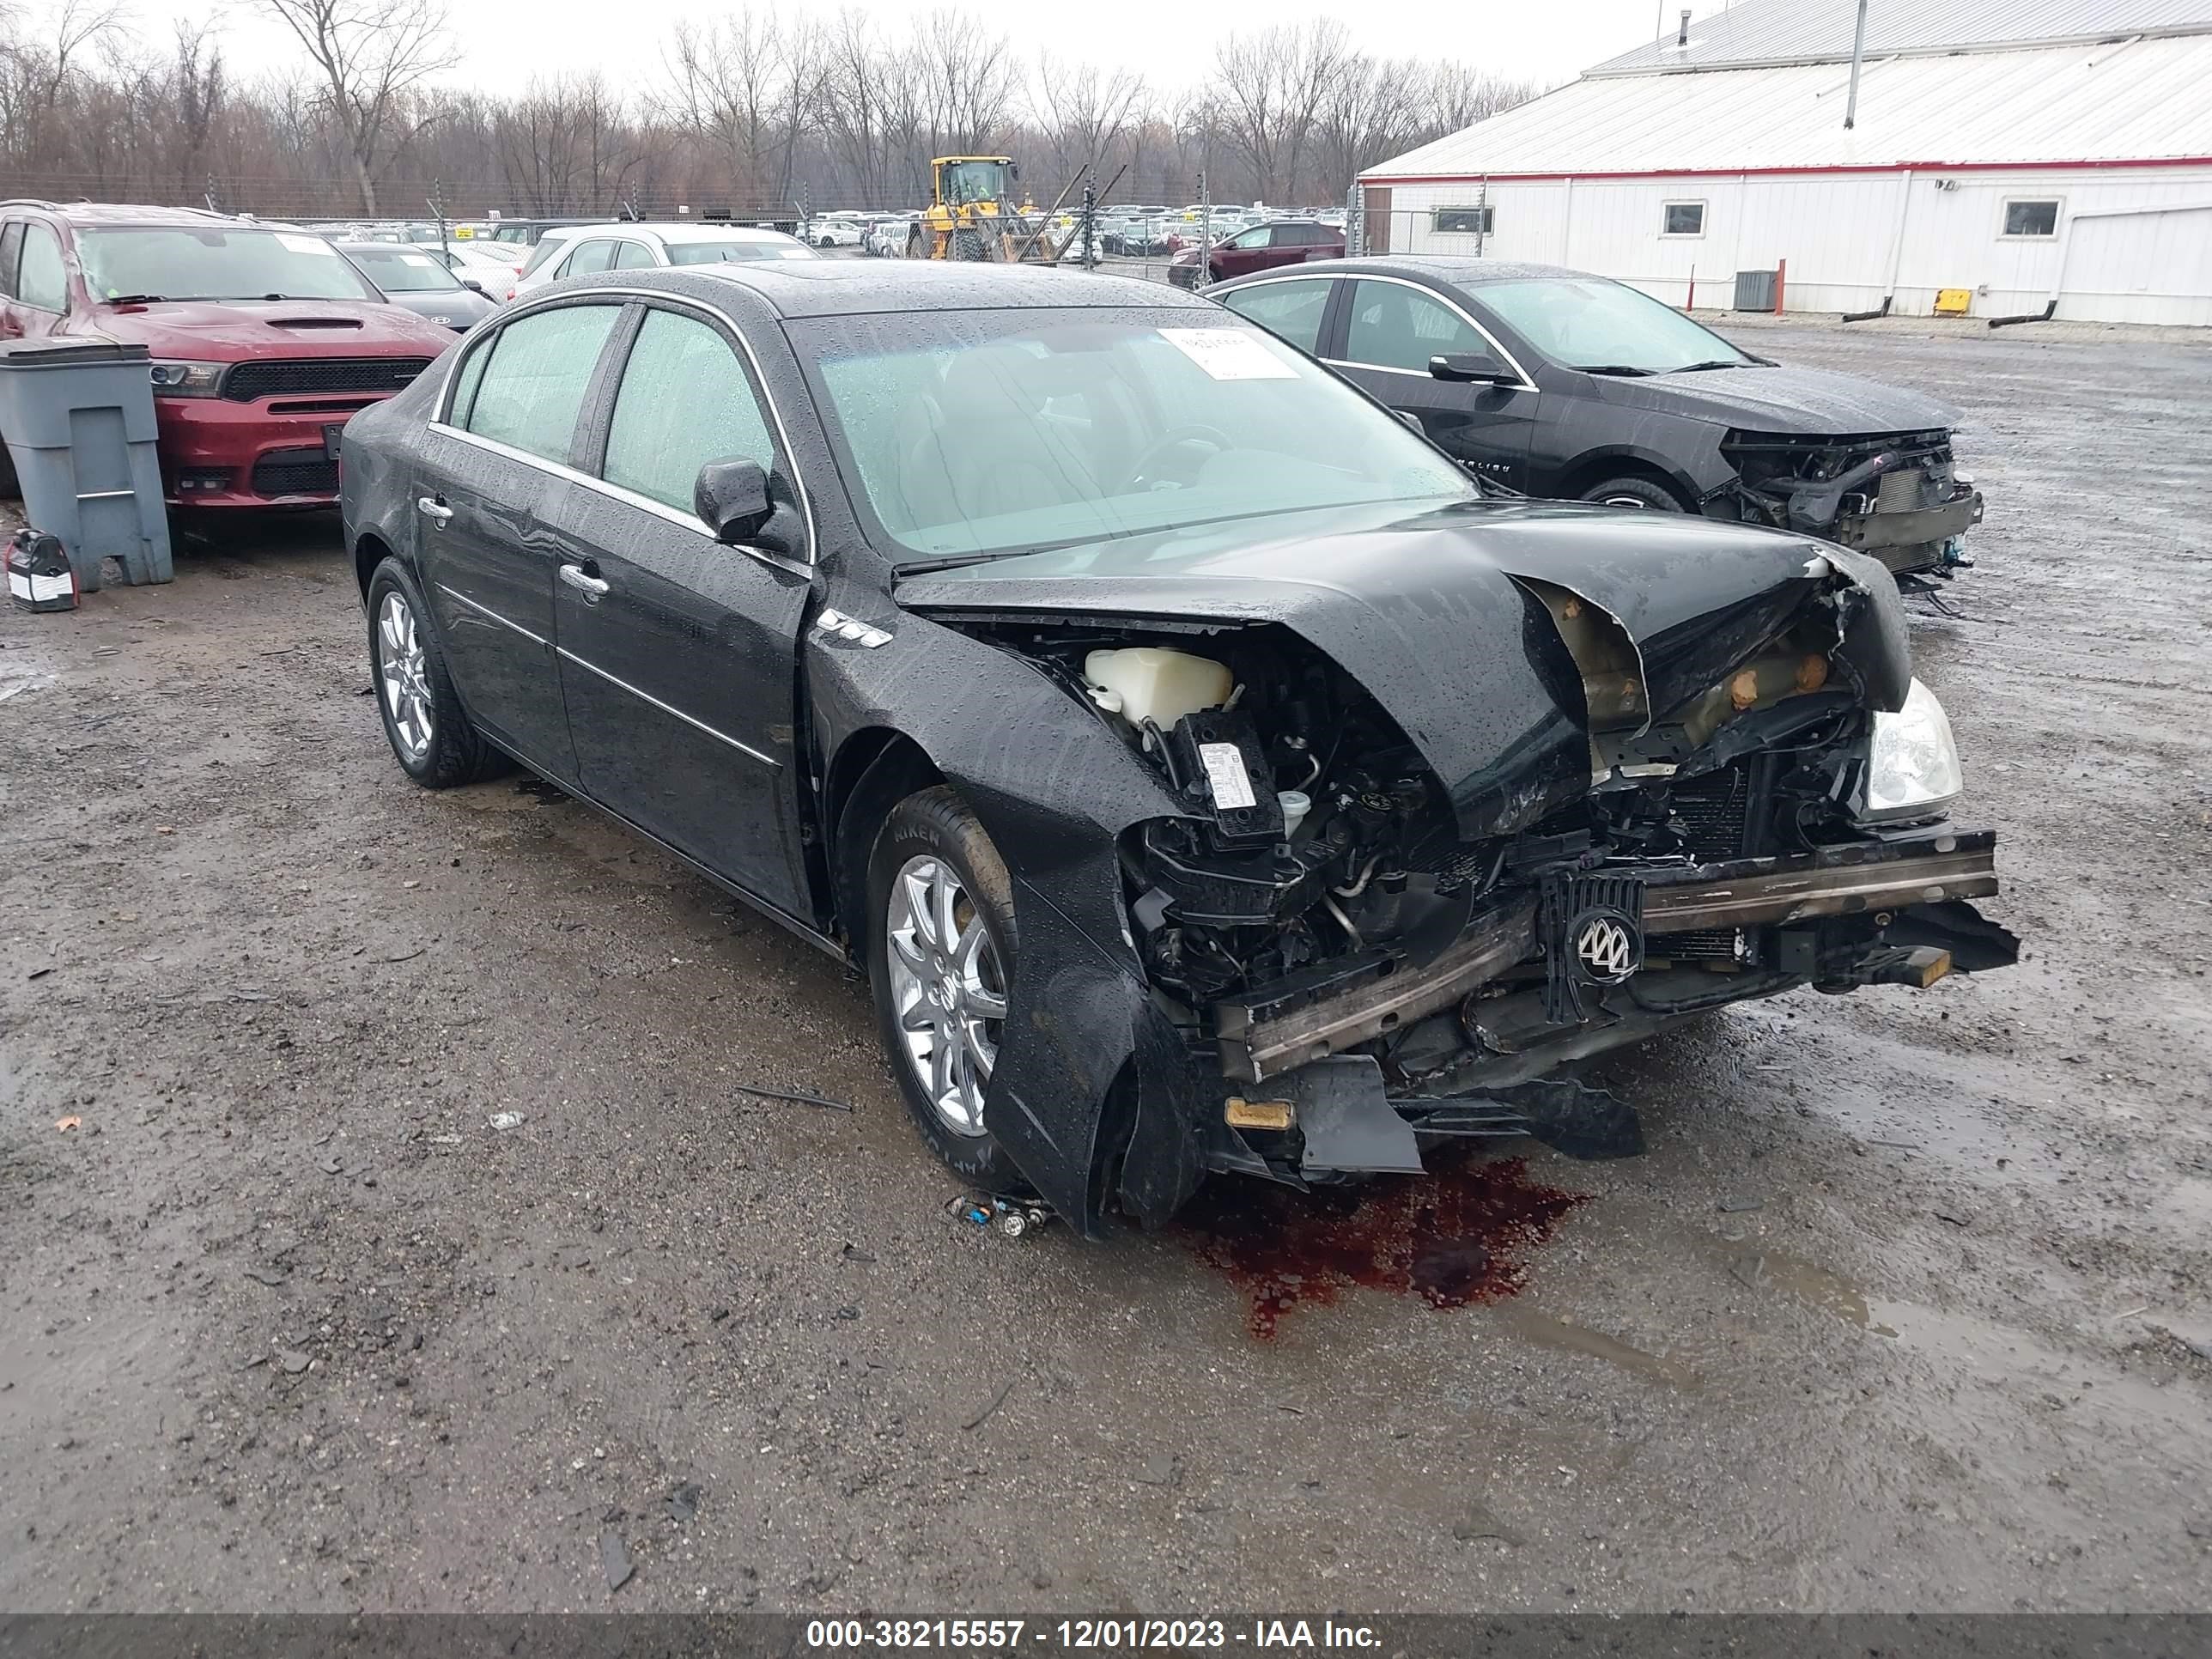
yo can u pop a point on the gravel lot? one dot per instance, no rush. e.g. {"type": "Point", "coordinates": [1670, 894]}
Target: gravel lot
{"type": "Point", "coordinates": [1910, 1306]}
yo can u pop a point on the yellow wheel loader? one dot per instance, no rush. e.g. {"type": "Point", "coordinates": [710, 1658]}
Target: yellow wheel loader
{"type": "Point", "coordinates": [973, 214]}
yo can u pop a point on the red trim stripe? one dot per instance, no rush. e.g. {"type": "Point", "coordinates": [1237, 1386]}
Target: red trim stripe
{"type": "Point", "coordinates": [1774, 173]}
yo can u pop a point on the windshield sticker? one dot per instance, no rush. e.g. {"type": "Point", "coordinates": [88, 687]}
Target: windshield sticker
{"type": "Point", "coordinates": [1230, 354]}
{"type": "Point", "coordinates": [306, 244]}
{"type": "Point", "coordinates": [1225, 766]}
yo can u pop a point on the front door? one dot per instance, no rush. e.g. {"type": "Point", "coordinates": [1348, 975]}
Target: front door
{"type": "Point", "coordinates": [1388, 332]}
{"type": "Point", "coordinates": [678, 654]}
{"type": "Point", "coordinates": [34, 297]}
{"type": "Point", "coordinates": [488, 508]}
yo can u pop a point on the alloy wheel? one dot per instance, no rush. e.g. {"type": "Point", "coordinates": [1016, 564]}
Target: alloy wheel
{"type": "Point", "coordinates": [404, 673]}
{"type": "Point", "coordinates": [949, 987]}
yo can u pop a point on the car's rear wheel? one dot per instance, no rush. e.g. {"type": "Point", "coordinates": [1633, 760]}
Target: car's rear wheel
{"type": "Point", "coordinates": [941, 944]}
{"type": "Point", "coordinates": [1641, 494]}
{"type": "Point", "coordinates": [430, 736]}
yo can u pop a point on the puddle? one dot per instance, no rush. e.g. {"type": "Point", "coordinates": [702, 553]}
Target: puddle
{"type": "Point", "coordinates": [1545, 1332]}
{"type": "Point", "coordinates": [1457, 1235]}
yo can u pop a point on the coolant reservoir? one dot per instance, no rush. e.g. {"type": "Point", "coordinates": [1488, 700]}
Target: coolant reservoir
{"type": "Point", "coordinates": [1157, 684]}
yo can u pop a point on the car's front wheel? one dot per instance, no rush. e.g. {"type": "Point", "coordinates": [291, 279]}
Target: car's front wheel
{"type": "Point", "coordinates": [430, 736]}
{"type": "Point", "coordinates": [1643, 495]}
{"type": "Point", "coordinates": [941, 944]}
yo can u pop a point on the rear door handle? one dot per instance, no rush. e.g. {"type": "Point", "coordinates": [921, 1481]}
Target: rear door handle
{"type": "Point", "coordinates": [580, 578]}
{"type": "Point", "coordinates": [433, 509]}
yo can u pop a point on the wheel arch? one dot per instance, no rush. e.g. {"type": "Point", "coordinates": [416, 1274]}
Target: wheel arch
{"type": "Point", "coordinates": [1594, 466]}
{"type": "Point", "coordinates": [873, 770]}
{"type": "Point", "coordinates": [369, 550]}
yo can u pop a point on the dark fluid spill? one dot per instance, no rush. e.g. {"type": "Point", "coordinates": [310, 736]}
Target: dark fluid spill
{"type": "Point", "coordinates": [1458, 1235]}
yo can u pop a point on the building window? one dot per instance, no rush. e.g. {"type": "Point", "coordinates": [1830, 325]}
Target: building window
{"type": "Point", "coordinates": [1468, 221]}
{"type": "Point", "coordinates": [1682, 219]}
{"type": "Point", "coordinates": [2035, 218]}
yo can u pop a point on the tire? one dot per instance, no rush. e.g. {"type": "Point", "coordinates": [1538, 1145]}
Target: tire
{"type": "Point", "coordinates": [429, 733]}
{"type": "Point", "coordinates": [943, 995]}
{"type": "Point", "coordinates": [914, 244]}
{"type": "Point", "coordinates": [1634, 492]}
{"type": "Point", "coordinates": [969, 244]}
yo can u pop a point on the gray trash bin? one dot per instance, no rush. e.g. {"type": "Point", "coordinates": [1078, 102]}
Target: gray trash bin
{"type": "Point", "coordinates": [78, 417]}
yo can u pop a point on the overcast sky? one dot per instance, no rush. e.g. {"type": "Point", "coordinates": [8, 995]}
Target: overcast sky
{"type": "Point", "coordinates": [503, 43]}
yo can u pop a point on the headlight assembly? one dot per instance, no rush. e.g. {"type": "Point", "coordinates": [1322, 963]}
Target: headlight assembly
{"type": "Point", "coordinates": [176, 379]}
{"type": "Point", "coordinates": [1912, 768]}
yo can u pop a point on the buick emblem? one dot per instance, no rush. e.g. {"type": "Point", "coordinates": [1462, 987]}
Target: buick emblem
{"type": "Point", "coordinates": [1606, 948]}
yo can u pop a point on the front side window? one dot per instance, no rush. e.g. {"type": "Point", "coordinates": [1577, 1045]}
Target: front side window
{"type": "Point", "coordinates": [1588, 323]}
{"type": "Point", "coordinates": [633, 256]}
{"type": "Point", "coordinates": [2036, 218]}
{"type": "Point", "coordinates": [530, 387]}
{"type": "Point", "coordinates": [1682, 219]}
{"type": "Point", "coordinates": [684, 401]}
{"type": "Point", "coordinates": [41, 282]}
{"type": "Point", "coordinates": [1397, 327]}
{"type": "Point", "coordinates": [1463, 221]}
{"type": "Point", "coordinates": [1255, 237]}
{"type": "Point", "coordinates": [1290, 311]}
{"type": "Point", "coordinates": [215, 261]}
{"type": "Point", "coordinates": [988, 432]}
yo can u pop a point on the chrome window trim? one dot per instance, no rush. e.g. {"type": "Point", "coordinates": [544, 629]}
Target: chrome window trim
{"type": "Point", "coordinates": [747, 750]}
{"type": "Point", "coordinates": [1445, 301]}
{"type": "Point", "coordinates": [516, 311]}
{"type": "Point", "coordinates": [535, 639]}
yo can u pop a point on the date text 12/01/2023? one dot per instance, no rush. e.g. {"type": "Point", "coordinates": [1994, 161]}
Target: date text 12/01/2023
{"type": "Point", "coordinates": [1007, 1635]}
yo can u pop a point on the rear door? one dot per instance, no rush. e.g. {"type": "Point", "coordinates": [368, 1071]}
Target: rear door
{"type": "Point", "coordinates": [491, 488]}
{"type": "Point", "coordinates": [1389, 330]}
{"type": "Point", "coordinates": [678, 654]}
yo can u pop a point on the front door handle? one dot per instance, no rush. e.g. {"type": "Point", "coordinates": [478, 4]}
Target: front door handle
{"type": "Point", "coordinates": [433, 509]}
{"type": "Point", "coordinates": [582, 579]}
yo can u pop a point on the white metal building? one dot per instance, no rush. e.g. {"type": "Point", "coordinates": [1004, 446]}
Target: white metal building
{"type": "Point", "coordinates": [2024, 150]}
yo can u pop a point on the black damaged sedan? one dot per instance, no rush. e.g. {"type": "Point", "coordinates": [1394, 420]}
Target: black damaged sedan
{"type": "Point", "coordinates": [1208, 778]}
{"type": "Point", "coordinates": [1560, 383]}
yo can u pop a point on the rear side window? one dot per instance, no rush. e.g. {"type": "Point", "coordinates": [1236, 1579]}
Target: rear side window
{"type": "Point", "coordinates": [1396, 327]}
{"type": "Point", "coordinates": [593, 255]}
{"type": "Point", "coordinates": [1291, 311]}
{"type": "Point", "coordinates": [41, 282]}
{"type": "Point", "coordinates": [544, 251]}
{"type": "Point", "coordinates": [11, 250]}
{"type": "Point", "coordinates": [633, 256]}
{"type": "Point", "coordinates": [684, 401]}
{"type": "Point", "coordinates": [531, 385]}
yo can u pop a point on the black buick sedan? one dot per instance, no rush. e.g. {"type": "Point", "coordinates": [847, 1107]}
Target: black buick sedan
{"type": "Point", "coordinates": [1206, 775]}
{"type": "Point", "coordinates": [1559, 383]}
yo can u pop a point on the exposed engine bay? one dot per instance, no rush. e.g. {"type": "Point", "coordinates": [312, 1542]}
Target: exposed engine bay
{"type": "Point", "coordinates": [1356, 974]}
{"type": "Point", "coordinates": [1895, 495]}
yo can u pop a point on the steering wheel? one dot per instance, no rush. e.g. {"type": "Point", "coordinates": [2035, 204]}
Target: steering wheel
{"type": "Point", "coordinates": [1164, 446]}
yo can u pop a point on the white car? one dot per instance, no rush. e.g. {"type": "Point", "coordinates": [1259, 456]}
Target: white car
{"type": "Point", "coordinates": [490, 266]}
{"type": "Point", "coordinates": [579, 250]}
{"type": "Point", "coordinates": [833, 232]}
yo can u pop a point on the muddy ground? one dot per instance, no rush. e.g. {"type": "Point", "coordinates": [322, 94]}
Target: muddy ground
{"type": "Point", "coordinates": [1909, 1306]}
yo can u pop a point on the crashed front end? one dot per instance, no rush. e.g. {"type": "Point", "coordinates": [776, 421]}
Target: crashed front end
{"type": "Point", "coordinates": [1895, 495]}
{"type": "Point", "coordinates": [1568, 802]}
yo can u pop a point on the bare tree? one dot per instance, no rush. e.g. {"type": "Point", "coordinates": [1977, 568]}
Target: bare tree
{"type": "Point", "coordinates": [371, 55]}
{"type": "Point", "coordinates": [1082, 111]}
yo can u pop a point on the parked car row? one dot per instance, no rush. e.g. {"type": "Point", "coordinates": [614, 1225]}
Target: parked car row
{"type": "Point", "coordinates": [1211, 774]}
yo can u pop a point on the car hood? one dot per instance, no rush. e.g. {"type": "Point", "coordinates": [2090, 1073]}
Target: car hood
{"type": "Point", "coordinates": [1430, 611]}
{"type": "Point", "coordinates": [1779, 398]}
{"type": "Point", "coordinates": [222, 332]}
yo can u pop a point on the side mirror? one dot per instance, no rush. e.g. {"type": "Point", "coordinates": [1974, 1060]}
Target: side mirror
{"type": "Point", "coordinates": [1470, 366]}
{"type": "Point", "coordinates": [1413, 421]}
{"type": "Point", "coordinates": [731, 496]}
{"type": "Point", "coordinates": [474, 286]}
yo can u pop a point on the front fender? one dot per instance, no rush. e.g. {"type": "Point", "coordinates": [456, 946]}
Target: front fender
{"type": "Point", "coordinates": [1054, 787]}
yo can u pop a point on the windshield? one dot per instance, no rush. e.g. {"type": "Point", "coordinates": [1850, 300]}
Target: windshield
{"type": "Point", "coordinates": [1586, 322]}
{"type": "Point", "coordinates": [216, 262]}
{"type": "Point", "coordinates": [713, 253]}
{"type": "Point", "coordinates": [400, 270]}
{"type": "Point", "coordinates": [985, 432]}
{"type": "Point", "coordinates": [975, 181]}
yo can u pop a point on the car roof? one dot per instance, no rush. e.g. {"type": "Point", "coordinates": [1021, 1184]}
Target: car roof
{"type": "Point", "coordinates": [835, 288]}
{"type": "Point", "coordinates": [1463, 269]}
{"type": "Point", "coordinates": [124, 213]}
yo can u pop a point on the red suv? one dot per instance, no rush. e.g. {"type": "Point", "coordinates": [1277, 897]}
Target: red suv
{"type": "Point", "coordinates": [1262, 247]}
{"type": "Point", "coordinates": [265, 339]}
